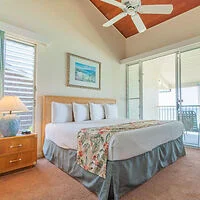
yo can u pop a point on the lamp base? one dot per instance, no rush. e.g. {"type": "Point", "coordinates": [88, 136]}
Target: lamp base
{"type": "Point", "coordinates": [9, 125]}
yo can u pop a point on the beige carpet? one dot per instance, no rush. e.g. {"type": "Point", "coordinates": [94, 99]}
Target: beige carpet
{"type": "Point", "coordinates": [180, 181]}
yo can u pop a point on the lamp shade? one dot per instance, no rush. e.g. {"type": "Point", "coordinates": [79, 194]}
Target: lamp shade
{"type": "Point", "coordinates": [12, 104]}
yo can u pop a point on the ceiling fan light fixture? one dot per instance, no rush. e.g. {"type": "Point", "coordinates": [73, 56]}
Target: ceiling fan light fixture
{"type": "Point", "coordinates": [133, 7]}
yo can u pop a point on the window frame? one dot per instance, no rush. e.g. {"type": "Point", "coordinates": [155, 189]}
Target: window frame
{"type": "Point", "coordinates": [33, 44]}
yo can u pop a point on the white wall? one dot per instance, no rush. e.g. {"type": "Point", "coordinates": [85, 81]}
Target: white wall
{"type": "Point", "coordinates": [75, 27]}
{"type": "Point", "coordinates": [178, 29]}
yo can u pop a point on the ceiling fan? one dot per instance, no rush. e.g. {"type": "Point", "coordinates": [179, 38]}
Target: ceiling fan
{"type": "Point", "coordinates": [132, 8]}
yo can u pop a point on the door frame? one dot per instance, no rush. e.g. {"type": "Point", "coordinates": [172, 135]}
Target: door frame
{"type": "Point", "coordinates": [179, 90]}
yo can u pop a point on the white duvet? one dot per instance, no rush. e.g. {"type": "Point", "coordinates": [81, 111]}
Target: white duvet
{"type": "Point", "coordinates": [123, 145]}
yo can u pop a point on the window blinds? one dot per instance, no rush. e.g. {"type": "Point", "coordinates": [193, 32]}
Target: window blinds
{"type": "Point", "coordinates": [1, 61]}
{"type": "Point", "coordinates": [19, 77]}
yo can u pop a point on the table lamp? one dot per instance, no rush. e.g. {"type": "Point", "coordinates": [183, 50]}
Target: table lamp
{"type": "Point", "coordinates": [10, 123]}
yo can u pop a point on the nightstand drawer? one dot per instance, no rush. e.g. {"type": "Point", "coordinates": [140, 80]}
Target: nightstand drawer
{"type": "Point", "coordinates": [17, 144]}
{"type": "Point", "coordinates": [16, 161]}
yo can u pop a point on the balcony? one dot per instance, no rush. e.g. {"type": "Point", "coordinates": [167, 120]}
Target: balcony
{"type": "Point", "coordinates": [190, 118]}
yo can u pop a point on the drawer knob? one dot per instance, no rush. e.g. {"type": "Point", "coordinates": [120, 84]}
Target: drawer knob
{"type": "Point", "coordinates": [14, 161]}
{"type": "Point", "coordinates": [18, 146]}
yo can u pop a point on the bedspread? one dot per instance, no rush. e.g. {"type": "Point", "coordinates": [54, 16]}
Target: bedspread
{"type": "Point", "coordinates": [93, 144]}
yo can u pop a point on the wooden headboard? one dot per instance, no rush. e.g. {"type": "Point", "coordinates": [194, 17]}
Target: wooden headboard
{"type": "Point", "coordinates": [46, 115]}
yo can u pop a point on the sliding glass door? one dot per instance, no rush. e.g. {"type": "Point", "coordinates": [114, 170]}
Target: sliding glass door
{"type": "Point", "coordinates": [133, 91]}
{"type": "Point", "coordinates": [159, 88]}
{"type": "Point", "coordinates": [167, 88]}
{"type": "Point", "coordinates": [189, 76]}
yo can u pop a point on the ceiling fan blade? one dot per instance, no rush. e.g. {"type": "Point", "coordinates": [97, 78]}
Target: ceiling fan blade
{"type": "Point", "coordinates": [115, 19]}
{"type": "Point", "coordinates": [115, 3]}
{"type": "Point", "coordinates": [138, 23]}
{"type": "Point", "coordinates": [156, 9]}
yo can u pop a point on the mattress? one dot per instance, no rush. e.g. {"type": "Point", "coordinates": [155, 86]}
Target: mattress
{"type": "Point", "coordinates": [123, 145]}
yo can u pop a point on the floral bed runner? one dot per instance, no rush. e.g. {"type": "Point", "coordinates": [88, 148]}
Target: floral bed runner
{"type": "Point", "coordinates": [93, 143]}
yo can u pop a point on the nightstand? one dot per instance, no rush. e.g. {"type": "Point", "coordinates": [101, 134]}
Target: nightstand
{"type": "Point", "coordinates": [18, 152]}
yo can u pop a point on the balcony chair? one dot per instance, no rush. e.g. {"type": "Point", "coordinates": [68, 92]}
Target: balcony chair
{"type": "Point", "coordinates": [189, 119]}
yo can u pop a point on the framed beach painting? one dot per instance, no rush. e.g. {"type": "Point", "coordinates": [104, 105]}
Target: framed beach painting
{"type": "Point", "coordinates": [83, 72]}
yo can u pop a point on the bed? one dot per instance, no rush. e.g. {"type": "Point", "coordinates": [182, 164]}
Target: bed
{"type": "Point", "coordinates": [133, 158]}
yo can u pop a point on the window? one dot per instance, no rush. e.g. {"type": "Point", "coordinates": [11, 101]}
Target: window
{"type": "Point", "coordinates": [19, 77]}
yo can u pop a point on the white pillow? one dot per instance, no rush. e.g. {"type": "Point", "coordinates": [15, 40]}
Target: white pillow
{"type": "Point", "coordinates": [81, 112]}
{"type": "Point", "coordinates": [111, 111]}
{"type": "Point", "coordinates": [61, 113]}
{"type": "Point", "coordinates": [97, 111]}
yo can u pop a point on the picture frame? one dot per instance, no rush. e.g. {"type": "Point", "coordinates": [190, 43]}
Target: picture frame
{"type": "Point", "coordinates": [83, 72]}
